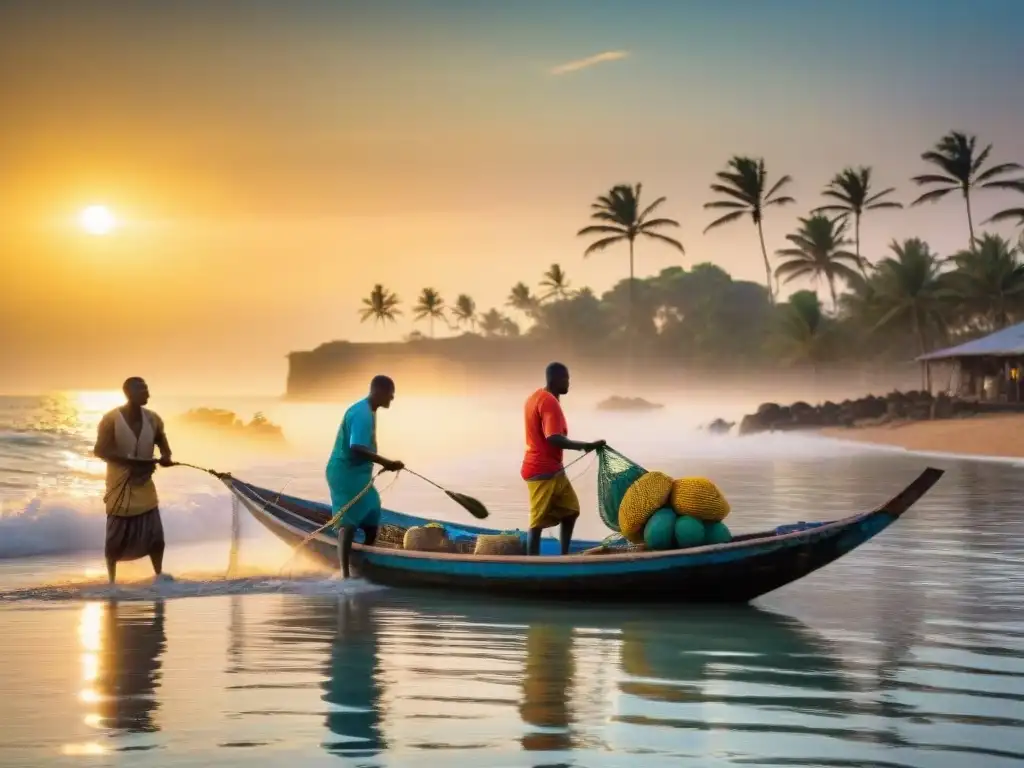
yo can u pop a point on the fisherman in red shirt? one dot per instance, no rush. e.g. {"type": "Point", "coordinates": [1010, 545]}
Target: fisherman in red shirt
{"type": "Point", "coordinates": [552, 498]}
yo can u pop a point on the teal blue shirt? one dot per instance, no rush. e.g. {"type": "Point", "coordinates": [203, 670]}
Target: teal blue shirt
{"type": "Point", "coordinates": [358, 427]}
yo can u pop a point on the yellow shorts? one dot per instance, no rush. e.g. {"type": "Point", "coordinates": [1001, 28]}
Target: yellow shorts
{"type": "Point", "coordinates": [551, 501]}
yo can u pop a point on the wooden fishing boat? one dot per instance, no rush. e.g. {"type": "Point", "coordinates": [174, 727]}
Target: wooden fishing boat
{"type": "Point", "coordinates": [749, 566]}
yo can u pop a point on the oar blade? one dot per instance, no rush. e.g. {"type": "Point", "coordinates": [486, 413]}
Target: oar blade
{"type": "Point", "coordinates": [471, 505]}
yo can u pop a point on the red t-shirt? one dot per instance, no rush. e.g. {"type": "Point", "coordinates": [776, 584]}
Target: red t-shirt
{"type": "Point", "coordinates": [544, 418]}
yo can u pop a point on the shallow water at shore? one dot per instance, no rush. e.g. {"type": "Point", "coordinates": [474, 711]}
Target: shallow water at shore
{"type": "Point", "coordinates": [905, 653]}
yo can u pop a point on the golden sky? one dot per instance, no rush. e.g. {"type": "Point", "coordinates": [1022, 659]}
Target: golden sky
{"type": "Point", "coordinates": [269, 162]}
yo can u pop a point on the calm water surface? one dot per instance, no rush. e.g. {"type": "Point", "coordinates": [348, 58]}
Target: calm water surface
{"type": "Point", "coordinates": [909, 652]}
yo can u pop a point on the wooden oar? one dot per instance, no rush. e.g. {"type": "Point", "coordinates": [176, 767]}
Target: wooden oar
{"type": "Point", "coordinates": [471, 505]}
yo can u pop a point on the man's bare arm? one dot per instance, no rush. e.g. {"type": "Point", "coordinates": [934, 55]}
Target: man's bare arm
{"type": "Point", "coordinates": [563, 442]}
{"type": "Point", "coordinates": [365, 453]}
{"type": "Point", "coordinates": [164, 446]}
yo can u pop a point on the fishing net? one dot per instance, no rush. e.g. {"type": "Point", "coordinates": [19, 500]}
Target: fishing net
{"type": "Point", "coordinates": [615, 473]}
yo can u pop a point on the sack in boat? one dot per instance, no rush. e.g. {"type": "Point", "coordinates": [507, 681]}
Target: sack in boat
{"type": "Point", "coordinates": [426, 538]}
{"type": "Point", "coordinates": [699, 497]}
{"type": "Point", "coordinates": [500, 544]}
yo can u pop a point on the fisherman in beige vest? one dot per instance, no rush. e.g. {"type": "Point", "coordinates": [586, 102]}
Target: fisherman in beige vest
{"type": "Point", "coordinates": [125, 440]}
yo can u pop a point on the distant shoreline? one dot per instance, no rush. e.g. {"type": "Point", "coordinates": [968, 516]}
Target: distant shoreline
{"type": "Point", "coordinates": [992, 437]}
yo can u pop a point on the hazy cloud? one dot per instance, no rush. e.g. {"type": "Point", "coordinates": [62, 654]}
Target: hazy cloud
{"type": "Point", "coordinates": [597, 58]}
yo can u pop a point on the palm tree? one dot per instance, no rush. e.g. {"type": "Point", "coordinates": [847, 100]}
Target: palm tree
{"type": "Point", "coordinates": [819, 252]}
{"type": "Point", "coordinates": [381, 305]}
{"type": "Point", "coordinates": [556, 283]}
{"type": "Point", "coordinates": [620, 217]}
{"type": "Point", "coordinates": [522, 299]}
{"type": "Point", "coordinates": [910, 293]}
{"type": "Point", "coordinates": [492, 322]}
{"type": "Point", "coordinates": [961, 167]}
{"type": "Point", "coordinates": [509, 327]}
{"type": "Point", "coordinates": [851, 189]}
{"type": "Point", "coordinates": [430, 305]}
{"type": "Point", "coordinates": [744, 183]}
{"type": "Point", "coordinates": [464, 311]}
{"type": "Point", "coordinates": [989, 281]}
{"type": "Point", "coordinates": [1010, 213]}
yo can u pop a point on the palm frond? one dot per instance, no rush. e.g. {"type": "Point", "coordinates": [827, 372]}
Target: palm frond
{"type": "Point", "coordinates": [603, 229]}
{"type": "Point", "coordinates": [997, 170]}
{"type": "Point", "coordinates": [665, 239]}
{"type": "Point", "coordinates": [775, 188]}
{"type": "Point", "coordinates": [600, 245]}
{"type": "Point", "coordinates": [934, 195]}
{"type": "Point", "coordinates": [660, 223]}
{"type": "Point", "coordinates": [723, 220]}
{"type": "Point", "coordinates": [1007, 215]}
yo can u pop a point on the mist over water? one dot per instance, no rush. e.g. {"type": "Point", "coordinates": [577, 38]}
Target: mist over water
{"type": "Point", "coordinates": [51, 486]}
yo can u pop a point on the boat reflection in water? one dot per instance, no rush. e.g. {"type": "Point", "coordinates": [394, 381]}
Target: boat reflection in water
{"type": "Point", "coordinates": [121, 660]}
{"type": "Point", "coordinates": [453, 675]}
{"type": "Point", "coordinates": [730, 678]}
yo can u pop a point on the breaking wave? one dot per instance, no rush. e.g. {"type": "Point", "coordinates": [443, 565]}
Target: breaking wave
{"type": "Point", "coordinates": [62, 525]}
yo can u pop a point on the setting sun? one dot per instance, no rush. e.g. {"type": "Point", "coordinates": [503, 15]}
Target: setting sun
{"type": "Point", "coordinates": [97, 220]}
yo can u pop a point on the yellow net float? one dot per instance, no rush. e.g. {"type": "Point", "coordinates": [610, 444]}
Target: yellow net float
{"type": "Point", "coordinates": [426, 538]}
{"type": "Point", "coordinates": [499, 544]}
{"type": "Point", "coordinates": [700, 498]}
{"type": "Point", "coordinates": [647, 493]}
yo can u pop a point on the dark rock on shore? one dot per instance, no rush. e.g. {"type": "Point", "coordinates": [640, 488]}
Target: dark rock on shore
{"type": "Point", "coordinates": [720, 427]}
{"type": "Point", "coordinates": [616, 403]}
{"type": "Point", "coordinates": [873, 410]}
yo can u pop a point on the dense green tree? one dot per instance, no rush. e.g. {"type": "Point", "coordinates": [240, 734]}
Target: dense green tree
{"type": "Point", "coordinates": [805, 333]}
{"type": "Point", "coordinates": [911, 293]}
{"type": "Point", "coordinates": [988, 284]}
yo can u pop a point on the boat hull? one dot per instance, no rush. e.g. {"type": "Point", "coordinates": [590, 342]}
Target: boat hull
{"type": "Point", "coordinates": [737, 572]}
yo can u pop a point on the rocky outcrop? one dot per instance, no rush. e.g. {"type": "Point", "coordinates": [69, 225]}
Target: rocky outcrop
{"type": "Point", "coordinates": [226, 423]}
{"type": "Point", "coordinates": [719, 427]}
{"type": "Point", "coordinates": [873, 410]}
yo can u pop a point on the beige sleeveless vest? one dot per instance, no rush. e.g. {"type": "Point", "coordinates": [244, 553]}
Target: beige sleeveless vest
{"type": "Point", "coordinates": [127, 496]}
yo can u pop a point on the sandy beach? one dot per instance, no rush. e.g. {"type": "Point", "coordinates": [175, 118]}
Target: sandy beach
{"type": "Point", "coordinates": [995, 435]}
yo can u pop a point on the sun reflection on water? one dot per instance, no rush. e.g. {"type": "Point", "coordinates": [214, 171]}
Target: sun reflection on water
{"type": "Point", "coordinates": [90, 636]}
{"type": "Point", "coordinates": [96, 402]}
{"type": "Point", "coordinates": [83, 750]}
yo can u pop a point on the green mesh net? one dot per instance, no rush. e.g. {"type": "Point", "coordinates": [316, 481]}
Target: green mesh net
{"type": "Point", "coordinates": [615, 473]}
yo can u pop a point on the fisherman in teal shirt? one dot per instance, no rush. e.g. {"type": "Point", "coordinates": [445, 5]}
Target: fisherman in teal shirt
{"type": "Point", "coordinates": [350, 468]}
